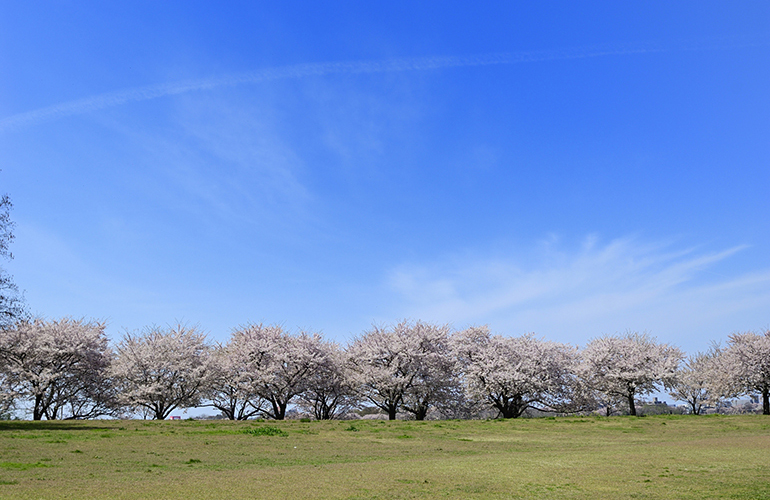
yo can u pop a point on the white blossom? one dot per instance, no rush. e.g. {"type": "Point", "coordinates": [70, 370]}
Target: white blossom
{"type": "Point", "coordinates": [748, 356]}
{"type": "Point", "coordinates": [329, 391]}
{"type": "Point", "coordinates": [160, 370]}
{"type": "Point", "coordinates": [277, 363]}
{"type": "Point", "coordinates": [703, 380]}
{"type": "Point", "coordinates": [628, 366]}
{"type": "Point", "coordinates": [60, 366]}
{"type": "Point", "coordinates": [230, 389]}
{"type": "Point", "coordinates": [511, 374]}
{"type": "Point", "coordinates": [394, 366]}
{"type": "Point", "coordinates": [435, 383]}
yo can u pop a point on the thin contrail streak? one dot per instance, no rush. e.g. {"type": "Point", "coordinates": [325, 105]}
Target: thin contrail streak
{"type": "Point", "coordinates": [148, 92]}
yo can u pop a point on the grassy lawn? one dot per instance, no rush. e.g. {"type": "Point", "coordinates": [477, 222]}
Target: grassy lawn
{"type": "Point", "coordinates": [577, 457]}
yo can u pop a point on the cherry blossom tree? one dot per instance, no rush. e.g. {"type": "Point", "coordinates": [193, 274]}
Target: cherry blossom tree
{"type": "Point", "coordinates": [230, 389]}
{"type": "Point", "coordinates": [511, 374]}
{"type": "Point", "coordinates": [160, 370]}
{"type": "Point", "coordinates": [398, 366]}
{"type": "Point", "coordinates": [748, 355]}
{"type": "Point", "coordinates": [329, 390]}
{"type": "Point", "coordinates": [60, 366]}
{"type": "Point", "coordinates": [278, 364]}
{"type": "Point", "coordinates": [435, 383]}
{"type": "Point", "coordinates": [609, 404]}
{"type": "Point", "coordinates": [628, 366]}
{"type": "Point", "coordinates": [703, 380]}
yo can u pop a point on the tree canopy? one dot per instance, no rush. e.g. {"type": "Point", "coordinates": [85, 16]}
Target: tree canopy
{"type": "Point", "coordinates": [11, 300]}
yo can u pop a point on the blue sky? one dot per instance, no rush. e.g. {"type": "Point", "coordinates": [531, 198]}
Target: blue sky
{"type": "Point", "coordinates": [562, 169]}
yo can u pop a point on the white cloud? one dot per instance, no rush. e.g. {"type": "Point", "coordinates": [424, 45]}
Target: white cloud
{"type": "Point", "coordinates": [148, 92]}
{"type": "Point", "coordinates": [218, 159]}
{"type": "Point", "coordinates": [234, 153]}
{"type": "Point", "coordinates": [575, 295]}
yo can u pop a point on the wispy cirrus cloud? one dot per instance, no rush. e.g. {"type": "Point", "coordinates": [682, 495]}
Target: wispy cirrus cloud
{"type": "Point", "coordinates": [575, 295]}
{"type": "Point", "coordinates": [228, 160]}
{"type": "Point", "coordinates": [144, 93]}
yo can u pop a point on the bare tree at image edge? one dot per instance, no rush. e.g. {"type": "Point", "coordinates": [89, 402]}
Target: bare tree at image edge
{"type": "Point", "coordinates": [11, 300]}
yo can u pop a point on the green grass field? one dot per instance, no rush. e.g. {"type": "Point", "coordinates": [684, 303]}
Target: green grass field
{"type": "Point", "coordinates": [576, 457]}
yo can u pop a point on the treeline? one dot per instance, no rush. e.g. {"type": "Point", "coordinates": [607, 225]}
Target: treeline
{"type": "Point", "coordinates": [67, 369]}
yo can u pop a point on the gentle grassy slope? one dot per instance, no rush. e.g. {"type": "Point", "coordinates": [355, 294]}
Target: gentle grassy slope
{"type": "Point", "coordinates": [620, 457]}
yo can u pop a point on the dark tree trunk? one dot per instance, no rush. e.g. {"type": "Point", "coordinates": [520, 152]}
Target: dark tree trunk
{"type": "Point", "coordinates": [162, 410]}
{"type": "Point", "coordinates": [228, 410]}
{"type": "Point", "coordinates": [279, 411]}
{"type": "Point", "coordinates": [631, 405]}
{"type": "Point", "coordinates": [392, 410]}
{"type": "Point", "coordinates": [510, 407]}
{"type": "Point", "coordinates": [766, 400]}
{"type": "Point", "coordinates": [507, 412]}
{"type": "Point", "coordinates": [322, 410]}
{"type": "Point", "coordinates": [37, 412]}
{"type": "Point", "coordinates": [695, 408]}
{"type": "Point", "coordinates": [419, 410]}
{"type": "Point", "coordinates": [326, 406]}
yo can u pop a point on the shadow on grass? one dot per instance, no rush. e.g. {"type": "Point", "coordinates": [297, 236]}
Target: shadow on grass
{"type": "Point", "coordinates": [46, 425]}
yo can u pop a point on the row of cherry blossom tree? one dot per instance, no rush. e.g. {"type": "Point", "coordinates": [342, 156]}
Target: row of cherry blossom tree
{"type": "Point", "coordinates": [66, 369]}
